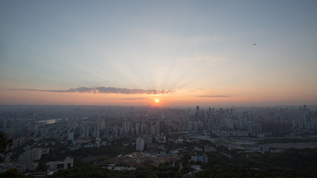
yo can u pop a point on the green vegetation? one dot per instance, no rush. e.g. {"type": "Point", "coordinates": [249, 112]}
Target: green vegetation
{"type": "Point", "coordinates": [219, 171]}
{"type": "Point", "coordinates": [287, 140]}
{"type": "Point", "coordinates": [223, 163]}
{"type": "Point", "coordinates": [12, 173]}
{"type": "Point", "coordinates": [83, 156]}
{"type": "Point", "coordinates": [59, 153]}
{"type": "Point", "coordinates": [4, 143]}
{"type": "Point", "coordinates": [92, 171]}
{"type": "Point", "coordinates": [291, 163]}
{"type": "Point", "coordinates": [294, 159]}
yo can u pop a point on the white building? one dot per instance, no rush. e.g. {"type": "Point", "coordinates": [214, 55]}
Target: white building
{"type": "Point", "coordinates": [58, 165]}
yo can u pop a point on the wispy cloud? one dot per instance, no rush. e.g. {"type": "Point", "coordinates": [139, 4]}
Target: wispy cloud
{"type": "Point", "coordinates": [215, 96]}
{"type": "Point", "coordinates": [134, 98]}
{"type": "Point", "coordinates": [103, 89]}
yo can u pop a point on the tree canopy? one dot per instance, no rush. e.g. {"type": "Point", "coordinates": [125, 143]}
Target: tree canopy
{"type": "Point", "coordinates": [4, 143]}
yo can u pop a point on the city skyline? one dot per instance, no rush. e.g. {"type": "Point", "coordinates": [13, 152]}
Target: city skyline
{"type": "Point", "coordinates": [167, 53]}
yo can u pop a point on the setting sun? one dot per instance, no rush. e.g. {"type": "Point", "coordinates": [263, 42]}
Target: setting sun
{"type": "Point", "coordinates": [157, 100]}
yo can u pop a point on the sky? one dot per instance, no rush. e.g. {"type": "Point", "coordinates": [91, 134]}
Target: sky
{"type": "Point", "coordinates": [183, 53]}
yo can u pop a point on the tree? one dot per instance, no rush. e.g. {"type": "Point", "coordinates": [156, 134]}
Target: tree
{"type": "Point", "coordinates": [12, 173]}
{"type": "Point", "coordinates": [4, 143]}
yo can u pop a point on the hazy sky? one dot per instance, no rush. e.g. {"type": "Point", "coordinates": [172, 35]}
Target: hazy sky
{"type": "Point", "coordinates": [181, 52]}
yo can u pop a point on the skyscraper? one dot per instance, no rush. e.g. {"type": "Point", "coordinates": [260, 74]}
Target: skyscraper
{"type": "Point", "coordinates": [96, 131]}
{"type": "Point", "coordinates": [85, 131]}
{"type": "Point", "coordinates": [139, 144]}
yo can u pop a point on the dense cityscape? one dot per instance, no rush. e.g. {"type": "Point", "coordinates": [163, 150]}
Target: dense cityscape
{"type": "Point", "coordinates": [46, 139]}
{"type": "Point", "coordinates": [158, 89]}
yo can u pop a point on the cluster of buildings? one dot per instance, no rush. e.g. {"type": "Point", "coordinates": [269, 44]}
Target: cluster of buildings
{"type": "Point", "coordinates": [96, 126]}
{"type": "Point", "coordinates": [108, 122]}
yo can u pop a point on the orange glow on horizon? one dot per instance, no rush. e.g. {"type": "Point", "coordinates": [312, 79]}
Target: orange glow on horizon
{"type": "Point", "coordinates": [9, 97]}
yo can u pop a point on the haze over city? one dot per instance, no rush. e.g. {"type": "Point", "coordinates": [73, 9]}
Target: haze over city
{"type": "Point", "coordinates": [158, 53]}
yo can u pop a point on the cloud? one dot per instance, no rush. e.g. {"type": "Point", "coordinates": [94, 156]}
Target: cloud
{"type": "Point", "coordinates": [215, 96]}
{"type": "Point", "coordinates": [134, 98]}
{"type": "Point", "coordinates": [103, 89]}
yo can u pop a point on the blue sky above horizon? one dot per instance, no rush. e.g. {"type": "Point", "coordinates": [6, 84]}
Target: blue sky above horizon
{"type": "Point", "coordinates": [196, 49]}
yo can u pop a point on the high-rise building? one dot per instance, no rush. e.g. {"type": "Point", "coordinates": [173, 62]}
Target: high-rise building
{"type": "Point", "coordinates": [106, 130]}
{"type": "Point", "coordinates": [155, 127]}
{"type": "Point", "coordinates": [85, 131]}
{"type": "Point", "coordinates": [137, 128]}
{"type": "Point", "coordinates": [70, 135]}
{"type": "Point", "coordinates": [197, 109]}
{"type": "Point", "coordinates": [196, 118]}
{"type": "Point", "coordinates": [116, 131]}
{"type": "Point", "coordinates": [96, 131]}
{"type": "Point", "coordinates": [126, 127]}
{"type": "Point", "coordinates": [139, 144]}
{"type": "Point", "coordinates": [144, 128]}
{"type": "Point", "coordinates": [30, 155]}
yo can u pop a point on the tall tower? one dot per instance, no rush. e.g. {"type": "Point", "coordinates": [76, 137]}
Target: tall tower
{"type": "Point", "coordinates": [197, 114]}
{"type": "Point", "coordinates": [197, 109]}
